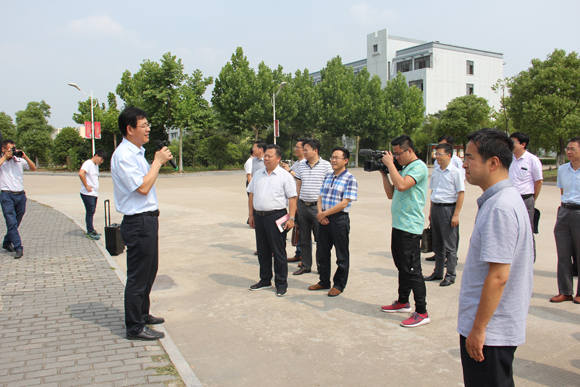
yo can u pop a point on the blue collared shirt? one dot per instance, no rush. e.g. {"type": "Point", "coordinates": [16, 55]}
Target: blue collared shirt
{"type": "Point", "coordinates": [569, 181]}
{"type": "Point", "coordinates": [128, 168]}
{"type": "Point", "coordinates": [336, 188]}
{"type": "Point", "coordinates": [446, 184]}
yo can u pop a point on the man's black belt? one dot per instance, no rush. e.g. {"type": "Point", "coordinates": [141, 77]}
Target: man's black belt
{"type": "Point", "coordinates": [569, 206]}
{"type": "Point", "coordinates": [266, 213]}
{"type": "Point", "coordinates": [526, 197]}
{"type": "Point", "coordinates": [338, 214]}
{"type": "Point", "coordinates": [308, 204]}
{"type": "Point", "coordinates": [144, 214]}
{"type": "Point", "coordinates": [443, 204]}
{"type": "Point", "coordinates": [14, 192]}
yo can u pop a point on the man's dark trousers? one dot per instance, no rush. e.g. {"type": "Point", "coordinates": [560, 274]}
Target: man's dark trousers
{"type": "Point", "coordinates": [335, 233]}
{"type": "Point", "coordinates": [13, 208]}
{"type": "Point", "coordinates": [567, 234]}
{"type": "Point", "coordinates": [90, 207]}
{"type": "Point", "coordinates": [494, 371]}
{"type": "Point", "coordinates": [140, 235]}
{"type": "Point", "coordinates": [445, 240]}
{"type": "Point", "coordinates": [406, 251]}
{"type": "Point", "coordinates": [307, 224]}
{"type": "Point", "coordinates": [269, 240]}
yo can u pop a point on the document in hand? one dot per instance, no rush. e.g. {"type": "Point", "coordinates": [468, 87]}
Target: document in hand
{"type": "Point", "coordinates": [281, 223]}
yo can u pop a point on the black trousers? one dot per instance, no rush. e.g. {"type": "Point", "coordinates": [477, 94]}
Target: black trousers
{"type": "Point", "coordinates": [308, 225]}
{"type": "Point", "coordinates": [406, 251]}
{"type": "Point", "coordinates": [494, 371]}
{"type": "Point", "coordinates": [140, 234]}
{"type": "Point", "coordinates": [335, 233]}
{"type": "Point", "coordinates": [270, 240]}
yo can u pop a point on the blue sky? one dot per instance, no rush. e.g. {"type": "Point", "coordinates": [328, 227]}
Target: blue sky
{"type": "Point", "coordinates": [44, 45]}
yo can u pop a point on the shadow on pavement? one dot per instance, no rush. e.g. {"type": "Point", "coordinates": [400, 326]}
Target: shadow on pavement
{"type": "Point", "coordinates": [553, 314]}
{"type": "Point", "coordinates": [100, 314]}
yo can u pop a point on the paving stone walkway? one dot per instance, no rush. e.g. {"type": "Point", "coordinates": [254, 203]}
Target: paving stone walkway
{"type": "Point", "coordinates": [61, 313]}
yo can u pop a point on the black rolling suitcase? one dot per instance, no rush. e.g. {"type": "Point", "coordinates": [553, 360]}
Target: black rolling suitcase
{"type": "Point", "coordinates": [113, 241]}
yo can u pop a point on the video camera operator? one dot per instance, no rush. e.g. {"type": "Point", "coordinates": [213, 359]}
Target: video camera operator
{"type": "Point", "coordinates": [408, 190]}
{"type": "Point", "coordinates": [13, 198]}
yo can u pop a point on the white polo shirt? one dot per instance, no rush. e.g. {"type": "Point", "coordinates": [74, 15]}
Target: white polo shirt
{"type": "Point", "coordinates": [128, 168]}
{"type": "Point", "coordinates": [525, 171]}
{"type": "Point", "coordinates": [271, 192]}
{"type": "Point", "coordinates": [248, 165]}
{"type": "Point", "coordinates": [92, 177]}
{"type": "Point", "coordinates": [12, 174]}
{"type": "Point", "coordinates": [446, 184]}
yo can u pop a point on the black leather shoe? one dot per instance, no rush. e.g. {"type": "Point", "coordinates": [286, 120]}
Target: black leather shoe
{"type": "Point", "coordinates": [260, 286]}
{"type": "Point", "coordinates": [447, 282]}
{"type": "Point", "coordinates": [432, 277]}
{"type": "Point", "coordinates": [147, 334]}
{"type": "Point", "coordinates": [430, 259]}
{"type": "Point", "coordinates": [18, 254]}
{"type": "Point", "coordinates": [152, 320]}
{"type": "Point", "coordinates": [302, 270]}
{"type": "Point", "coordinates": [8, 248]}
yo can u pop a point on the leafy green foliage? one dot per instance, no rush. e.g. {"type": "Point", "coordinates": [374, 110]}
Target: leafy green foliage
{"type": "Point", "coordinates": [545, 101]}
{"type": "Point", "coordinates": [464, 115]}
{"type": "Point", "coordinates": [218, 151]}
{"type": "Point", "coordinates": [68, 139]}
{"type": "Point", "coordinates": [34, 132]}
{"type": "Point", "coordinates": [7, 128]}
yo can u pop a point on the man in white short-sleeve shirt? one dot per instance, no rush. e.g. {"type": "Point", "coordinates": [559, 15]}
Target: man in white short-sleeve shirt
{"type": "Point", "coordinates": [89, 175]}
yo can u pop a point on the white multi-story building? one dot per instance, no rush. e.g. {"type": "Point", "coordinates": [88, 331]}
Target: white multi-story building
{"type": "Point", "coordinates": [442, 71]}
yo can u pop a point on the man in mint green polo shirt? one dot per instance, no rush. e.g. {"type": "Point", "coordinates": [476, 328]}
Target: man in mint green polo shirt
{"type": "Point", "coordinates": [408, 190]}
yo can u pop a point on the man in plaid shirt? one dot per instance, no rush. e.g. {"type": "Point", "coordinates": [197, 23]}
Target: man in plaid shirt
{"type": "Point", "coordinates": [338, 190]}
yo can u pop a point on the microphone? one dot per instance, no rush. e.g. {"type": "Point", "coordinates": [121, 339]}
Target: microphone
{"type": "Point", "coordinates": [161, 146]}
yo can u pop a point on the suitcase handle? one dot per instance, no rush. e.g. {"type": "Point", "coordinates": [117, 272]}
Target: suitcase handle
{"type": "Point", "coordinates": [107, 205]}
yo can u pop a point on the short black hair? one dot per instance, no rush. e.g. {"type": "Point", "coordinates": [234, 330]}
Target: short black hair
{"type": "Point", "coordinates": [522, 138]}
{"type": "Point", "coordinates": [262, 144]}
{"type": "Point", "coordinates": [303, 140]}
{"type": "Point", "coordinates": [6, 142]}
{"type": "Point", "coordinates": [129, 117]}
{"type": "Point", "coordinates": [573, 139]}
{"type": "Point", "coordinates": [447, 137]}
{"type": "Point", "coordinates": [402, 141]}
{"type": "Point", "coordinates": [278, 149]}
{"type": "Point", "coordinates": [101, 153]}
{"type": "Point", "coordinates": [493, 143]}
{"type": "Point", "coordinates": [446, 147]}
{"type": "Point", "coordinates": [345, 152]}
{"type": "Point", "coordinates": [314, 144]}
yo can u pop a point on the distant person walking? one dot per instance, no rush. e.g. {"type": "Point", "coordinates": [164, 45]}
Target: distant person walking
{"type": "Point", "coordinates": [89, 175]}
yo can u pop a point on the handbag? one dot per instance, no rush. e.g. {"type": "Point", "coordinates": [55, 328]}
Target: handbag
{"type": "Point", "coordinates": [295, 236]}
{"type": "Point", "coordinates": [536, 220]}
{"type": "Point", "coordinates": [426, 238]}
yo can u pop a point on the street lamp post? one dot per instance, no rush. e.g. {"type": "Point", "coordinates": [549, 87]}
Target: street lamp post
{"type": "Point", "coordinates": [274, 106]}
{"type": "Point", "coordinates": [92, 115]}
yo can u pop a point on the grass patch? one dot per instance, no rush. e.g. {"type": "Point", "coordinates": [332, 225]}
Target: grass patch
{"type": "Point", "coordinates": [169, 369]}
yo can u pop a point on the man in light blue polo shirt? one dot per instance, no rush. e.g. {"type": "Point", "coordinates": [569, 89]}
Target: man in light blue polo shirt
{"type": "Point", "coordinates": [567, 229]}
{"type": "Point", "coordinates": [408, 189]}
{"type": "Point", "coordinates": [135, 197]}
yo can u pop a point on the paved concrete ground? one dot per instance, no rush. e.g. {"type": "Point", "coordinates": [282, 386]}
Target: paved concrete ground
{"type": "Point", "coordinates": [233, 337]}
{"type": "Point", "coordinates": [61, 313]}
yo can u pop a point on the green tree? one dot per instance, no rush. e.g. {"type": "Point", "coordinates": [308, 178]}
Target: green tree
{"type": "Point", "coordinates": [218, 151]}
{"type": "Point", "coordinates": [501, 118]}
{"type": "Point", "coordinates": [464, 115]}
{"type": "Point", "coordinates": [305, 100]}
{"type": "Point", "coordinates": [67, 139]}
{"type": "Point", "coordinates": [404, 106]}
{"type": "Point", "coordinates": [425, 135]}
{"type": "Point", "coordinates": [34, 132]}
{"type": "Point", "coordinates": [7, 128]}
{"type": "Point", "coordinates": [545, 101]}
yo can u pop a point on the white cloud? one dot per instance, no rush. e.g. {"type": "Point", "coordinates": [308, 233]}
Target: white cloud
{"type": "Point", "coordinates": [101, 25]}
{"type": "Point", "coordinates": [364, 14]}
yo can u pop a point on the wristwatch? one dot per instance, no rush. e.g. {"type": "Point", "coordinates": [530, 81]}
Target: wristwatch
{"type": "Point", "coordinates": [292, 219]}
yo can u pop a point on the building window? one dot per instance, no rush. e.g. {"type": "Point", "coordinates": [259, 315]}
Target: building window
{"type": "Point", "coordinates": [418, 84]}
{"type": "Point", "coordinates": [404, 66]}
{"type": "Point", "coordinates": [423, 62]}
{"type": "Point", "coordinates": [469, 67]}
{"type": "Point", "coordinates": [375, 48]}
{"type": "Point", "coordinates": [469, 90]}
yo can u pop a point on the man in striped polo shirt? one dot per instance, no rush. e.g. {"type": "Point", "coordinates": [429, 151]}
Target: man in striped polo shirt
{"type": "Point", "coordinates": [309, 178]}
{"type": "Point", "coordinates": [337, 192]}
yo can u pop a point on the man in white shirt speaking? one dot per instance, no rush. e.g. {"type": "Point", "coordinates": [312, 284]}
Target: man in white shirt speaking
{"type": "Point", "coordinates": [89, 175]}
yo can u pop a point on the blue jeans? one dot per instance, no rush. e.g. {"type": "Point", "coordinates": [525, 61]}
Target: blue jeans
{"type": "Point", "coordinates": [90, 206]}
{"type": "Point", "coordinates": [13, 208]}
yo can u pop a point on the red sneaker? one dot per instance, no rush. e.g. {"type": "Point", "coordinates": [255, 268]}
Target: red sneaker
{"type": "Point", "coordinates": [395, 307]}
{"type": "Point", "coordinates": [416, 319]}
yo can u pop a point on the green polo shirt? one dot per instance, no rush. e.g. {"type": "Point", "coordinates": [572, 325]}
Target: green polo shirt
{"type": "Point", "coordinates": [407, 207]}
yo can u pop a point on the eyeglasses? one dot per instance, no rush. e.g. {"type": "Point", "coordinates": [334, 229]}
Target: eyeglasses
{"type": "Point", "coordinates": [145, 125]}
{"type": "Point", "coordinates": [337, 158]}
{"type": "Point", "coordinates": [571, 149]}
{"type": "Point", "coordinates": [440, 154]}
{"type": "Point", "coordinates": [298, 147]}
{"type": "Point", "coordinates": [397, 155]}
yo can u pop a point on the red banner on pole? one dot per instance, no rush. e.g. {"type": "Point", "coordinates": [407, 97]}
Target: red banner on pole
{"type": "Point", "coordinates": [97, 130]}
{"type": "Point", "coordinates": [87, 129]}
{"type": "Point", "coordinates": [276, 128]}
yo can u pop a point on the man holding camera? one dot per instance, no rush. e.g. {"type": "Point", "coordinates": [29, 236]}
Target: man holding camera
{"type": "Point", "coordinates": [13, 198]}
{"type": "Point", "coordinates": [408, 190]}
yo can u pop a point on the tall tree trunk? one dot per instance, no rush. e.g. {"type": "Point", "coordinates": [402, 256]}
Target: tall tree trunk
{"type": "Point", "coordinates": [356, 154]}
{"type": "Point", "coordinates": [561, 155]}
{"type": "Point", "coordinates": [180, 150]}
{"type": "Point", "coordinates": [114, 141]}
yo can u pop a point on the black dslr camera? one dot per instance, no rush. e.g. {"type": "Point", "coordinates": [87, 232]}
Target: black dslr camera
{"type": "Point", "coordinates": [16, 152]}
{"type": "Point", "coordinates": [375, 163]}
